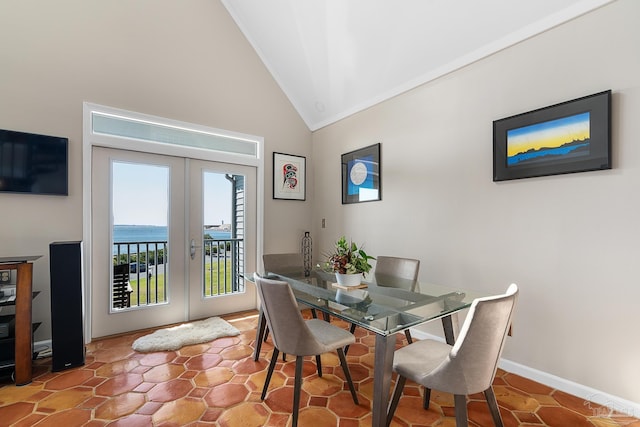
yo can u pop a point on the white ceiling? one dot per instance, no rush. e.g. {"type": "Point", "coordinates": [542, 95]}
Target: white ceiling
{"type": "Point", "coordinates": [333, 58]}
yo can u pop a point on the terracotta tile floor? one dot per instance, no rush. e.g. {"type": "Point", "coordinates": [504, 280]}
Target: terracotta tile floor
{"type": "Point", "coordinates": [219, 384]}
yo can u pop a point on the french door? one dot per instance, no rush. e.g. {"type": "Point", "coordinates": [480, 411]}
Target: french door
{"type": "Point", "coordinates": [217, 255]}
{"type": "Point", "coordinates": [184, 229]}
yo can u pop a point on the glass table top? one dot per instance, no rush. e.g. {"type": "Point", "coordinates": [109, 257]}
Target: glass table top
{"type": "Point", "coordinates": [384, 305]}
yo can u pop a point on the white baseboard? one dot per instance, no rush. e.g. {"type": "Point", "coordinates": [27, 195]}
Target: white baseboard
{"type": "Point", "coordinates": [613, 404]}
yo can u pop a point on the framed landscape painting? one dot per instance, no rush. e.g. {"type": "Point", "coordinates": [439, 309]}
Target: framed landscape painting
{"type": "Point", "coordinates": [574, 136]}
{"type": "Point", "coordinates": [289, 176]}
{"type": "Point", "coordinates": [361, 175]}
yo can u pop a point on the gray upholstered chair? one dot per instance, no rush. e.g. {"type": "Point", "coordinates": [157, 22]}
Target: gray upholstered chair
{"type": "Point", "coordinates": [395, 272]}
{"type": "Point", "coordinates": [398, 273]}
{"type": "Point", "coordinates": [285, 264]}
{"type": "Point", "coordinates": [467, 367]}
{"type": "Point", "coordinates": [296, 336]}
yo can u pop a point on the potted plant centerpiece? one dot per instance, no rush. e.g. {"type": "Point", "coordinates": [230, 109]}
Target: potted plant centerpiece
{"type": "Point", "coordinates": [349, 262]}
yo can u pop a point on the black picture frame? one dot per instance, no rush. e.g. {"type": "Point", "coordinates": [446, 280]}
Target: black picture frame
{"type": "Point", "coordinates": [289, 176]}
{"type": "Point", "coordinates": [573, 136]}
{"type": "Point", "coordinates": [362, 175]}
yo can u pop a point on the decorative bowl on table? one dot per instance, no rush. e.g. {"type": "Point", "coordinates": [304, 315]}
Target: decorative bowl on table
{"type": "Point", "coordinates": [353, 279]}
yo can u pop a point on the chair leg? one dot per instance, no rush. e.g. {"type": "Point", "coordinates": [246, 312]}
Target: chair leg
{"type": "Point", "coordinates": [347, 374]}
{"type": "Point", "coordinates": [262, 331]}
{"type": "Point", "coordinates": [319, 365]}
{"type": "Point", "coordinates": [427, 398]}
{"type": "Point", "coordinates": [493, 406]}
{"type": "Point", "coordinates": [352, 329]}
{"type": "Point", "coordinates": [397, 392]}
{"type": "Point", "coordinates": [407, 334]}
{"type": "Point", "coordinates": [461, 410]}
{"type": "Point", "coordinates": [297, 385]}
{"type": "Point", "coordinates": [272, 365]}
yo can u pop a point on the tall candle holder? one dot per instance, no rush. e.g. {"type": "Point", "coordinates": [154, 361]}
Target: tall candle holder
{"type": "Point", "coordinates": [306, 253]}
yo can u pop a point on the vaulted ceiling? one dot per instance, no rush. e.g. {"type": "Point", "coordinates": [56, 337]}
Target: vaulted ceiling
{"type": "Point", "coordinates": [333, 58]}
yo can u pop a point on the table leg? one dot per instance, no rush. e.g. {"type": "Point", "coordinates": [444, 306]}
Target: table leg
{"type": "Point", "coordinates": [382, 370]}
{"type": "Point", "coordinates": [262, 325]}
{"type": "Point", "coordinates": [451, 327]}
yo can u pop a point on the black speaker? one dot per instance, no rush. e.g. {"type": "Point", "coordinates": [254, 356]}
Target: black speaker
{"type": "Point", "coordinates": [67, 305]}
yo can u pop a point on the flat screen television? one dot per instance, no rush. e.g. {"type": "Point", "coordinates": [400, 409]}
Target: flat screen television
{"type": "Point", "coordinates": [31, 163]}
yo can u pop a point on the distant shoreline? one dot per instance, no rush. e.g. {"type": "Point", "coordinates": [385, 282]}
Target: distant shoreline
{"type": "Point", "coordinates": [153, 233]}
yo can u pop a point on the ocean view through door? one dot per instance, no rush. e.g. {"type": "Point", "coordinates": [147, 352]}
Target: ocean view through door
{"type": "Point", "coordinates": [157, 214]}
{"type": "Point", "coordinates": [137, 266]}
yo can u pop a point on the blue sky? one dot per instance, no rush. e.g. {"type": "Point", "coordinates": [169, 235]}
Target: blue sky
{"type": "Point", "coordinates": [140, 195]}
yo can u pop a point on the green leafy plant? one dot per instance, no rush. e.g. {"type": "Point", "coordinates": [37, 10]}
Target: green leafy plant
{"type": "Point", "coordinates": [348, 258]}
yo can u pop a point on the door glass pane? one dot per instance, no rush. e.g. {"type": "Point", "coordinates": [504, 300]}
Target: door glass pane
{"type": "Point", "coordinates": [223, 237]}
{"type": "Point", "coordinates": [140, 234]}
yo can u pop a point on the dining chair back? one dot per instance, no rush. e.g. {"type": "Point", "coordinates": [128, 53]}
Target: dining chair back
{"type": "Point", "coordinates": [285, 264]}
{"type": "Point", "coordinates": [466, 367]}
{"type": "Point", "coordinates": [395, 272]}
{"type": "Point", "coordinates": [292, 334]}
{"type": "Point", "coordinates": [289, 330]}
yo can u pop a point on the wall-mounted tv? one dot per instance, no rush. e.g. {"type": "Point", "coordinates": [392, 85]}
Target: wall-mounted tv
{"type": "Point", "coordinates": [31, 163]}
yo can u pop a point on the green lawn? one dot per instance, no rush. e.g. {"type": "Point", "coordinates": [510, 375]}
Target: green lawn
{"type": "Point", "coordinates": [211, 288]}
{"type": "Point", "coordinates": [213, 276]}
{"type": "Point", "coordinates": [156, 296]}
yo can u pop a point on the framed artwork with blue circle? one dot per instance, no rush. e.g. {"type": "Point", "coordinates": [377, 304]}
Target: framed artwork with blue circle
{"type": "Point", "coordinates": [361, 175]}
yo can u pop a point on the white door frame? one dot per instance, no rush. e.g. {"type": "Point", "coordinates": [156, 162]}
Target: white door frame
{"type": "Point", "coordinates": [90, 139]}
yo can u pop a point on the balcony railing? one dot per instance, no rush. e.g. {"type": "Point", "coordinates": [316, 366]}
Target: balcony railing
{"type": "Point", "coordinates": [223, 265]}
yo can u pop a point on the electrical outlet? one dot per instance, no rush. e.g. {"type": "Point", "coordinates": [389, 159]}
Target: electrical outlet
{"type": "Point", "coordinates": [323, 223]}
{"type": "Point", "coordinates": [5, 276]}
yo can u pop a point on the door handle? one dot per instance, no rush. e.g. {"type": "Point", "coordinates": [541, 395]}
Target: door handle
{"type": "Point", "coordinates": [193, 248]}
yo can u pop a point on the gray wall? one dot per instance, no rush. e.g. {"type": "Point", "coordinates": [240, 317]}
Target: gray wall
{"type": "Point", "coordinates": [570, 242]}
{"type": "Point", "coordinates": [186, 61]}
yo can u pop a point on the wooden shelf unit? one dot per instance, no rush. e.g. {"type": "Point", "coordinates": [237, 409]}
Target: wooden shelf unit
{"type": "Point", "coordinates": [23, 315]}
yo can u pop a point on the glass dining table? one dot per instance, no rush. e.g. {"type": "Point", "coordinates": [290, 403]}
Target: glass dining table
{"type": "Point", "coordinates": [382, 305]}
